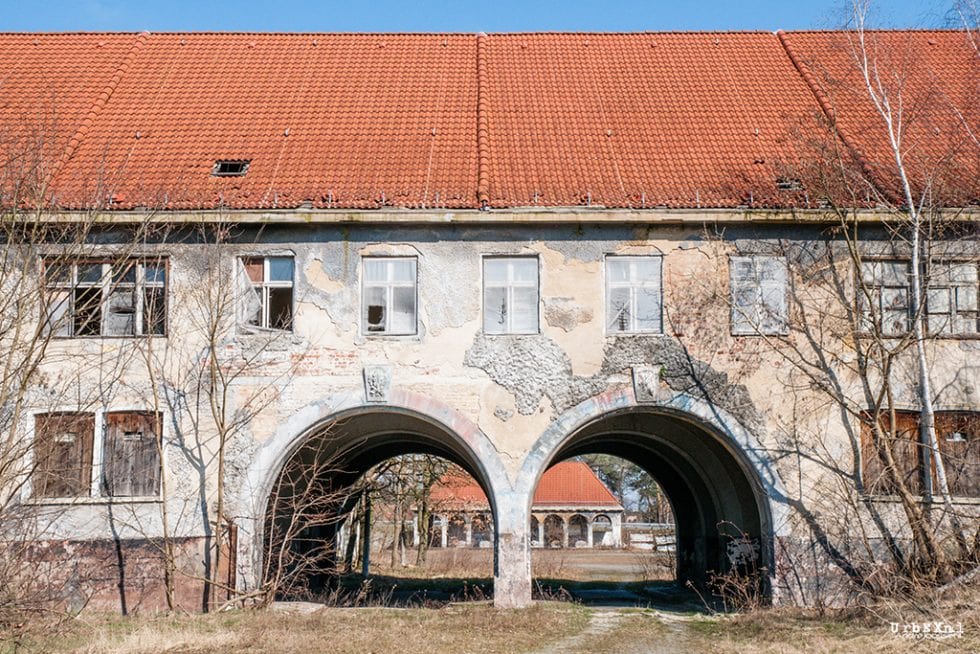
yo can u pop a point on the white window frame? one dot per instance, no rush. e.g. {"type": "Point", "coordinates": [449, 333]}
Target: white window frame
{"type": "Point", "coordinates": [634, 285]}
{"type": "Point", "coordinates": [759, 320]}
{"type": "Point", "coordinates": [872, 281]}
{"type": "Point", "coordinates": [961, 297]}
{"type": "Point", "coordinates": [389, 284]}
{"type": "Point", "coordinates": [509, 285]}
{"type": "Point", "coordinates": [106, 287]}
{"type": "Point", "coordinates": [262, 289]}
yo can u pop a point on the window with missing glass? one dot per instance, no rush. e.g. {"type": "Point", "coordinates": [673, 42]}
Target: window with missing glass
{"type": "Point", "coordinates": [389, 295]}
{"type": "Point", "coordinates": [510, 295]}
{"type": "Point", "coordinates": [951, 299]}
{"type": "Point", "coordinates": [106, 298]}
{"type": "Point", "coordinates": [759, 288]}
{"type": "Point", "coordinates": [884, 297]}
{"type": "Point", "coordinates": [633, 294]}
{"type": "Point", "coordinates": [267, 293]}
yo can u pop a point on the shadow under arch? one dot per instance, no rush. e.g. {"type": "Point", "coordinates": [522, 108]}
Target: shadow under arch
{"type": "Point", "coordinates": [356, 436]}
{"type": "Point", "coordinates": [719, 480]}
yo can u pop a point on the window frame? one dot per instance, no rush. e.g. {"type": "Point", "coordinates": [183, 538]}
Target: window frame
{"type": "Point", "coordinates": [509, 286]}
{"type": "Point", "coordinates": [632, 287]}
{"type": "Point", "coordinates": [952, 287]}
{"type": "Point", "coordinates": [265, 286]}
{"type": "Point", "coordinates": [102, 429]}
{"type": "Point", "coordinates": [87, 468]}
{"type": "Point", "coordinates": [106, 286]}
{"type": "Point", "coordinates": [389, 286]}
{"type": "Point", "coordinates": [909, 428]}
{"type": "Point", "coordinates": [928, 285]}
{"type": "Point", "coordinates": [757, 328]}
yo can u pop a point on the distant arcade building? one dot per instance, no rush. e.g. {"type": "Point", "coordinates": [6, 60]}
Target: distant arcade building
{"type": "Point", "coordinates": [571, 508]}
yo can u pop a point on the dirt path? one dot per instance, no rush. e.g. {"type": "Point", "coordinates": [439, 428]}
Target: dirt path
{"type": "Point", "coordinates": [666, 635]}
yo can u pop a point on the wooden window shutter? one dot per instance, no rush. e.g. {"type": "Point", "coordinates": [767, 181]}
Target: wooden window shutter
{"type": "Point", "coordinates": [131, 455]}
{"type": "Point", "coordinates": [906, 452]}
{"type": "Point", "coordinates": [63, 454]}
{"type": "Point", "coordinates": [958, 433]}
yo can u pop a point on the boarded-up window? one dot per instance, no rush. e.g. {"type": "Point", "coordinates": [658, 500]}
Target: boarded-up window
{"type": "Point", "coordinates": [63, 454]}
{"type": "Point", "coordinates": [131, 454]}
{"type": "Point", "coordinates": [904, 446]}
{"type": "Point", "coordinates": [758, 295]}
{"type": "Point", "coordinates": [959, 442]}
{"type": "Point", "coordinates": [958, 433]}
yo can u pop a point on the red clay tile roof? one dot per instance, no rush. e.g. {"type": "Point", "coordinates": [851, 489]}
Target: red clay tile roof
{"type": "Point", "coordinates": [440, 121]}
{"type": "Point", "coordinates": [566, 484]}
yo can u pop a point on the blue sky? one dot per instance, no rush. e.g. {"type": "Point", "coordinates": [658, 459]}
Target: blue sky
{"type": "Point", "coordinates": [448, 16]}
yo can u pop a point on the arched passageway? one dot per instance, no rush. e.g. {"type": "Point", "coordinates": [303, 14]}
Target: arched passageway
{"type": "Point", "coordinates": [721, 510]}
{"type": "Point", "coordinates": [322, 471]}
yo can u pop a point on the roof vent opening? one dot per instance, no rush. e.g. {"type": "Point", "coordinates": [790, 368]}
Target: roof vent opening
{"type": "Point", "coordinates": [789, 184]}
{"type": "Point", "coordinates": [230, 167]}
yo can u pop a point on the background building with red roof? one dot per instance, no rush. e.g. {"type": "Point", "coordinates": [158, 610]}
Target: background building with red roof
{"type": "Point", "coordinates": [571, 508]}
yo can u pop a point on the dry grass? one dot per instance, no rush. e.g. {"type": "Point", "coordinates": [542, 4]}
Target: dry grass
{"type": "Point", "coordinates": [474, 628]}
{"type": "Point", "coordinates": [546, 627]}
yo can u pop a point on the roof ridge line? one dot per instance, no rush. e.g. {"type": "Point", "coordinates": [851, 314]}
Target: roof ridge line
{"type": "Point", "coordinates": [100, 102]}
{"type": "Point", "coordinates": [482, 128]}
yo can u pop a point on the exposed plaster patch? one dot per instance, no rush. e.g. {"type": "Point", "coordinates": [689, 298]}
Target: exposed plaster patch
{"type": "Point", "coordinates": [534, 367]}
{"type": "Point", "coordinates": [564, 313]}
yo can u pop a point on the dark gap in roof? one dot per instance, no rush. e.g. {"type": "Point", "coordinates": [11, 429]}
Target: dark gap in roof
{"type": "Point", "coordinates": [230, 168]}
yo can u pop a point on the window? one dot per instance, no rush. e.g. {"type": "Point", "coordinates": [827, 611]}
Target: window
{"type": "Point", "coordinates": [633, 303]}
{"type": "Point", "coordinates": [98, 298]}
{"type": "Point", "coordinates": [268, 292]}
{"type": "Point", "coordinates": [131, 454]}
{"type": "Point", "coordinates": [951, 299]}
{"type": "Point", "coordinates": [510, 295]}
{"type": "Point", "coordinates": [388, 295]}
{"type": "Point", "coordinates": [958, 434]}
{"type": "Point", "coordinates": [63, 454]}
{"type": "Point", "coordinates": [758, 295]}
{"type": "Point", "coordinates": [886, 283]}
{"type": "Point", "coordinates": [230, 168]}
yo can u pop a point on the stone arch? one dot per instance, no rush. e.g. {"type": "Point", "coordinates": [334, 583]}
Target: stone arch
{"type": "Point", "coordinates": [365, 434]}
{"type": "Point", "coordinates": [554, 530]}
{"type": "Point", "coordinates": [712, 468]}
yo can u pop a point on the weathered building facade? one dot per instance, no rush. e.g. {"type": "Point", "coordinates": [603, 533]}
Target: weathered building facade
{"type": "Point", "coordinates": [504, 250]}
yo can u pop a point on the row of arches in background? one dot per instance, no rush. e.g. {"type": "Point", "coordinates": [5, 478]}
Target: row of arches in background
{"type": "Point", "coordinates": [708, 465]}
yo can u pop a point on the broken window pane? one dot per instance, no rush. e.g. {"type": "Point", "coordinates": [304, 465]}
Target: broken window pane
{"type": "Point", "coordinates": [389, 295]}
{"type": "Point", "coordinates": [374, 307]}
{"type": "Point", "coordinates": [633, 301]}
{"type": "Point", "coordinates": [87, 311]}
{"type": "Point", "coordinates": [281, 308]}
{"type": "Point", "coordinates": [120, 319]}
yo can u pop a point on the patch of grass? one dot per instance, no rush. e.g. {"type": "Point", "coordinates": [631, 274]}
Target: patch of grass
{"type": "Point", "coordinates": [470, 628]}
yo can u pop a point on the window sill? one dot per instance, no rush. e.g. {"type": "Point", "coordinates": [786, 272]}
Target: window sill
{"type": "Point", "coordinates": [895, 499]}
{"type": "Point", "coordinates": [92, 501]}
{"type": "Point", "coordinates": [97, 337]}
{"type": "Point", "coordinates": [633, 334]}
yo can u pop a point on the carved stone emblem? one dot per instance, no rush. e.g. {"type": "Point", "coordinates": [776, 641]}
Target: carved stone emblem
{"type": "Point", "coordinates": [646, 383]}
{"type": "Point", "coordinates": [377, 383]}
